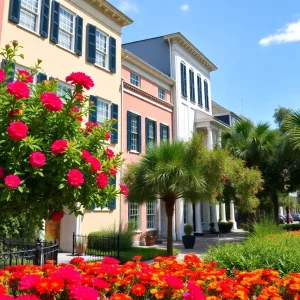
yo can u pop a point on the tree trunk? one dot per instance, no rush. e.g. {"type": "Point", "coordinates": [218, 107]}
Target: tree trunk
{"type": "Point", "coordinates": [275, 207]}
{"type": "Point", "coordinates": [287, 209]}
{"type": "Point", "coordinates": [169, 205]}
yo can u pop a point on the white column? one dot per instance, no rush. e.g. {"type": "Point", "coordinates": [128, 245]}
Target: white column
{"type": "Point", "coordinates": [190, 213]}
{"type": "Point", "coordinates": [218, 212]}
{"type": "Point", "coordinates": [179, 219]}
{"type": "Point", "coordinates": [223, 212]}
{"type": "Point", "coordinates": [210, 142]}
{"type": "Point", "coordinates": [281, 210]}
{"type": "Point", "coordinates": [206, 216]}
{"type": "Point", "coordinates": [232, 217]}
{"type": "Point", "coordinates": [219, 138]}
{"type": "Point", "coordinates": [215, 212]}
{"type": "Point", "coordinates": [198, 219]}
{"type": "Point", "coordinates": [43, 231]}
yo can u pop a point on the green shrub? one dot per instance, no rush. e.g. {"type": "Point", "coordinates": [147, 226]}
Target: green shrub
{"type": "Point", "coordinates": [265, 227]}
{"type": "Point", "coordinates": [225, 227]}
{"type": "Point", "coordinates": [188, 229]}
{"type": "Point", "coordinates": [290, 227]}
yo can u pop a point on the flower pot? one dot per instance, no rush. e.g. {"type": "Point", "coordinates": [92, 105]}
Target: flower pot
{"type": "Point", "coordinates": [188, 241]}
{"type": "Point", "coordinates": [150, 241]}
{"type": "Point", "coordinates": [225, 227]}
{"type": "Point", "coordinates": [80, 250]}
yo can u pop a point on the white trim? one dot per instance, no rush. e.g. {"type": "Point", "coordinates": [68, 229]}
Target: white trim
{"type": "Point", "coordinates": [138, 114]}
{"type": "Point", "coordinates": [64, 48]}
{"type": "Point", "coordinates": [134, 152]}
{"type": "Point", "coordinates": [150, 119]}
{"type": "Point", "coordinates": [29, 30]}
{"type": "Point", "coordinates": [166, 124]}
{"type": "Point", "coordinates": [147, 100]}
{"type": "Point", "coordinates": [102, 68]}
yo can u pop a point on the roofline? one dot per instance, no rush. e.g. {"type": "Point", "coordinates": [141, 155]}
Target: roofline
{"type": "Point", "coordinates": [213, 102]}
{"type": "Point", "coordinates": [111, 12]}
{"type": "Point", "coordinates": [191, 48]}
{"type": "Point", "coordinates": [143, 40]}
{"type": "Point", "coordinates": [127, 55]}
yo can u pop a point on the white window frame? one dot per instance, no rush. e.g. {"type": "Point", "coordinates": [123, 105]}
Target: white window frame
{"type": "Point", "coordinates": [108, 109]}
{"type": "Point", "coordinates": [138, 215]}
{"type": "Point", "coordinates": [161, 93]}
{"type": "Point", "coordinates": [37, 15]}
{"type": "Point", "coordinates": [62, 83]}
{"type": "Point", "coordinates": [65, 31]}
{"type": "Point", "coordinates": [134, 135]}
{"type": "Point", "coordinates": [153, 214]}
{"type": "Point", "coordinates": [101, 52]}
{"type": "Point", "coordinates": [138, 79]}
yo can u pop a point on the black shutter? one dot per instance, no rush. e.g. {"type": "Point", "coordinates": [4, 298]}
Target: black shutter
{"type": "Point", "coordinates": [78, 35]}
{"type": "Point", "coordinates": [55, 22]}
{"type": "Point", "coordinates": [112, 202]}
{"type": "Point", "coordinates": [129, 117]}
{"type": "Point", "coordinates": [14, 10]}
{"type": "Point", "coordinates": [93, 111]}
{"type": "Point", "coordinates": [183, 80]}
{"type": "Point", "coordinates": [91, 43]}
{"type": "Point", "coordinates": [161, 128]}
{"type": "Point", "coordinates": [45, 12]}
{"type": "Point", "coordinates": [10, 73]}
{"type": "Point", "coordinates": [168, 133]}
{"type": "Point", "coordinates": [147, 121]}
{"type": "Point", "coordinates": [199, 83]}
{"type": "Point", "coordinates": [192, 86]}
{"type": "Point", "coordinates": [114, 132]}
{"type": "Point", "coordinates": [139, 130]}
{"type": "Point", "coordinates": [206, 95]}
{"type": "Point", "coordinates": [41, 77]}
{"type": "Point", "coordinates": [112, 54]}
{"type": "Point", "coordinates": [155, 131]}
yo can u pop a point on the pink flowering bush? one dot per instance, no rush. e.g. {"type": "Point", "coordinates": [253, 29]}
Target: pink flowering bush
{"type": "Point", "coordinates": [51, 158]}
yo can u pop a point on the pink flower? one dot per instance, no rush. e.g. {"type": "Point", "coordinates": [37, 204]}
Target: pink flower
{"type": "Point", "coordinates": [112, 171]}
{"type": "Point", "coordinates": [28, 282]}
{"type": "Point", "coordinates": [102, 180]}
{"type": "Point", "coordinates": [195, 292]}
{"type": "Point", "coordinates": [2, 76]}
{"type": "Point", "coordinates": [124, 189]}
{"type": "Point", "coordinates": [25, 76]}
{"type": "Point", "coordinates": [68, 274]}
{"type": "Point", "coordinates": [79, 97]}
{"type": "Point", "coordinates": [90, 126]}
{"type": "Point", "coordinates": [95, 164]}
{"type": "Point", "coordinates": [6, 297]}
{"type": "Point", "coordinates": [37, 159]}
{"type": "Point", "coordinates": [100, 284]}
{"type": "Point", "coordinates": [17, 130]}
{"type": "Point", "coordinates": [75, 178]}
{"type": "Point", "coordinates": [81, 79]}
{"type": "Point", "coordinates": [110, 154]}
{"type": "Point", "coordinates": [57, 215]}
{"type": "Point", "coordinates": [86, 155]}
{"type": "Point", "coordinates": [81, 292]}
{"type": "Point", "coordinates": [19, 89]}
{"type": "Point", "coordinates": [174, 282]}
{"type": "Point", "coordinates": [59, 146]}
{"type": "Point", "coordinates": [12, 181]}
{"type": "Point", "coordinates": [110, 260]}
{"type": "Point", "coordinates": [14, 112]}
{"type": "Point", "coordinates": [51, 102]}
{"type": "Point", "coordinates": [107, 135]}
{"type": "Point", "coordinates": [2, 173]}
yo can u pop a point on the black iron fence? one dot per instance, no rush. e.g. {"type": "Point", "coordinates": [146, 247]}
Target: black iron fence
{"type": "Point", "coordinates": [22, 252]}
{"type": "Point", "coordinates": [96, 247]}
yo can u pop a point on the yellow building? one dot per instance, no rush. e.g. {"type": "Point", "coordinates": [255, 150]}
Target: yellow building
{"type": "Point", "coordinates": [70, 36]}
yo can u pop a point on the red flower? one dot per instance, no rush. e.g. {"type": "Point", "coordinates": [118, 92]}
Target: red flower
{"type": "Point", "coordinates": [59, 146]}
{"type": "Point", "coordinates": [17, 130]}
{"type": "Point", "coordinates": [29, 282]}
{"type": "Point", "coordinates": [110, 260]}
{"type": "Point", "coordinates": [2, 173]}
{"type": "Point", "coordinates": [2, 76]}
{"type": "Point", "coordinates": [19, 89]}
{"type": "Point", "coordinates": [68, 274]}
{"type": "Point", "coordinates": [51, 101]}
{"type": "Point", "coordinates": [12, 181]}
{"type": "Point", "coordinates": [81, 292]}
{"type": "Point", "coordinates": [102, 180]}
{"type": "Point", "coordinates": [75, 111]}
{"type": "Point", "coordinates": [14, 112]}
{"type": "Point", "coordinates": [25, 76]}
{"type": "Point", "coordinates": [137, 258]}
{"type": "Point", "coordinates": [76, 260]}
{"type": "Point", "coordinates": [27, 297]}
{"type": "Point", "coordinates": [86, 155]}
{"type": "Point", "coordinates": [110, 154]}
{"type": "Point", "coordinates": [57, 215]}
{"type": "Point", "coordinates": [138, 289]}
{"type": "Point", "coordinates": [44, 286]}
{"type": "Point", "coordinates": [120, 296]}
{"type": "Point", "coordinates": [79, 97]}
{"type": "Point", "coordinates": [80, 79]}
{"type": "Point", "coordinates": [124, 189]}
{"type": "Point", "coordinates": [37, 159]}
{"type": "Point", "coordinates": [75, 178]}
{"type": "Point", "coordinates": [107, 135]}
{"type": "Point", "coordinates": [95, 164]}
{"type": "Point", "coordinates": [112, 171]}
{"type": "Point", "coordinates": [2, 289]}
{"type": "Point", "coordinates": [90, 126]}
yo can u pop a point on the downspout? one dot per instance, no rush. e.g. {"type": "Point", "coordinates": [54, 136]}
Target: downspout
{"type": "Point", "coordinates": [121, 136]}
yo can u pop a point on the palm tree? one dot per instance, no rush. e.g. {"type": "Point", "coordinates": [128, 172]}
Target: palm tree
{"type": "Point", "coordinates": [168, 172]}
{"type": "Point", "coordinates": [292, 126]}
{"type": "Point", "coordinates": [251, 143]}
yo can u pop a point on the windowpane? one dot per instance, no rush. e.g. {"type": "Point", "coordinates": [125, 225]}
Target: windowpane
{"type": "Point", "coordinates": [100, 59]}
{"type": "Point", "coordinates": [32, 5]}
{"type": "Point", "coordinates": [151, 131]}
{"type": "Point", "coordinates": [134, 214]}
{"type": "Point", "coordinates": [134, 133]}
{"type": "Point", "coordinates": [62, 89]}
{"type": "Point", "coordinates": [65, 34]}
{"type": "Point", "coordinates": [102, 111]}
{"type": "Point", "coordinates": [161, 93]}
{"type": "Point", "coordinates": [101, 49]}
{"type": "Point", "coordinates": [151, 212]}
{"type": "Point", "coordinates": [28, 19]}
{"type": "Point", "coordinates": [165, 133]}
{"type": "Point", "coordinates": [134, 79]}
{"type": "Point", "coordinates": [65, 39]}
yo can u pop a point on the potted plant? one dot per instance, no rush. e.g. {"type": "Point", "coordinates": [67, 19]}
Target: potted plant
{"type": "Point", "coordinates": [212, 228]}
{"type": "Point", "coordinates": [150, 237]}
{"type": "Point", "coordinates": [80, 246]}
{"type": "Point", "coordinates": [225, 227]}
{"type": "Point", "coordinates": [188, 239]}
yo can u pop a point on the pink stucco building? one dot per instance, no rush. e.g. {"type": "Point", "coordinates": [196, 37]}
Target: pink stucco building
{"type": "Point", "coordinates": [147, 117]}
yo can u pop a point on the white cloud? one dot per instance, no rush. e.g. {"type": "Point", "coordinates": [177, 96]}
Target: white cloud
{"type": "Point", "coordinates": [290, 33]}
{"type": "Point", "coordinates": [128, 6]}
{"type": "Point", "coordinates": [184, 7]}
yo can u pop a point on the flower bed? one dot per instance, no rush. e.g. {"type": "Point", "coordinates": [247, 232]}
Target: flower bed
{"type": "Point", "coordinates": [165, 279]}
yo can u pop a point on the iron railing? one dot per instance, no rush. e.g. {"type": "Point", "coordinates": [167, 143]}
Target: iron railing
{"type": "Point", "coordinates": [96, 247]}
{"type": "Point", "coordinates": [22, 252]}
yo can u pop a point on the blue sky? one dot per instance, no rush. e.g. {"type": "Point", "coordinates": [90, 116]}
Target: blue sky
{"type": "Point", "coordinates": [255, 45]}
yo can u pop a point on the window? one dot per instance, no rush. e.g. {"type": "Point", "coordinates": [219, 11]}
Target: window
{"type": "Point", "coordinates": [134, 214]}
{"type": "Point", "coordinates": [206, 97]}
{"type": "Point", "coordinates": [151, 212]}
{"type": "Point", "coordinates": [101, 49]}
{"type": "Point", "coordinates": [134, 133]}
{"type": "Point", "coordinates": [29, 14]}
{"type": "Point", "coordinates": [134, 79]}
{"type": "Point", "coordinates": [192, 86]}
{"type": "Point", "coordinates": [151, 131]}
{"type": "Point", "coordinates": [183, 79]}
{"type": "Point", "coordinates": [19, 67]}
{"type": "Point", "coordinates": [199, 86]}
{"type": "Point", "coordinates": [161, 93]}
{"type": "Point", "coordinates": [63, 88]}
{"type": "Point", "coordinates": [66, 29]}
{"type": "Point", "coordinates": [165, 133]}
{"type": "Point", "coordinates": [102, 111]}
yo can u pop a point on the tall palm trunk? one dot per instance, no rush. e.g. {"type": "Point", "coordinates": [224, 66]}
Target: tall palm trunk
{"type": "Point", "coordinates": [169, 205]}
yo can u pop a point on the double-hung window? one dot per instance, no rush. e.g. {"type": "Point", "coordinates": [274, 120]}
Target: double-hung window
{"type": "Point", "coordinates": [66, 29]}
{"type": "Point", "coordinates": [151, 214]}
{"type": "Point", "coordinates": [206, 96]}
{"type": "Point", "coordinates": [134, 133]}
{"type": "Point", "coordinates": [192, 86]}
{"type": "Point", "coordinates": [199, 86]}
{"type": "Point", "coordinates": [101, 49]}
{"type": "Point", "coordinates": [102, 111]}
{"type": "Point", "coordinates": [161, 93]}
{"type": "Point", "coordinates": [151, 132]}
{"type": "Point", "coordinates": [164, 132]}
{"type": "Point", "coordinates": [29, 14]}
{"type": "Point", "coordinates": [134, 214]}
{"type": "Point", "coordinates": [134, 79]}
{"type": "Point", "coordinates": [183, 79]}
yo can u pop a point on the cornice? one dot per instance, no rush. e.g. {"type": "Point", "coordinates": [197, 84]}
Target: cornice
{"type": "Point", "coordinates": [111, 12]}
{"type": "Point", "coordinates": [147, 95]}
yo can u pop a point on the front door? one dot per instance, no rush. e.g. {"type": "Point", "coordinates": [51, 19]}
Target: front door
{"type": "Point", "coordinates": [53, 229]}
